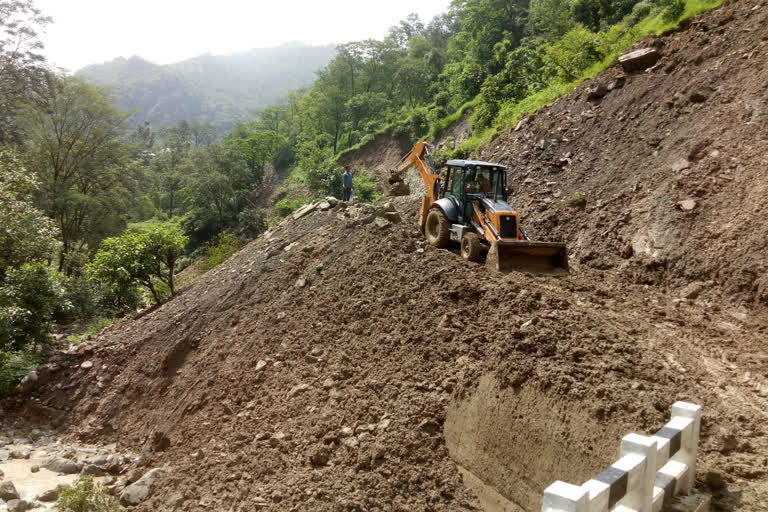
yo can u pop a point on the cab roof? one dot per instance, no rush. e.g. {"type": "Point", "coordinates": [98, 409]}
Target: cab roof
{"type": "Point", "coordinates": [473, 163]}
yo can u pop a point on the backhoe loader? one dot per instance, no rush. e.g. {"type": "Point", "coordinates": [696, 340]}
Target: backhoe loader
{"type": "Point", "coordinates": [468, 205]}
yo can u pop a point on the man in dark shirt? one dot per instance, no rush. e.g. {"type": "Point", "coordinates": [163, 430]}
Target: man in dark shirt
{"type": "Point", "coordinates": [347, 182]}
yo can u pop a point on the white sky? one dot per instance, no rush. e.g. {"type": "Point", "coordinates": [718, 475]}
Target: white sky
{"type": "Point", "coordinates": [163, 31]}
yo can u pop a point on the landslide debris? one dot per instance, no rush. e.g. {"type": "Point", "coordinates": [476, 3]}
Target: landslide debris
{"type": "Point", "coordinates": [313, 370]}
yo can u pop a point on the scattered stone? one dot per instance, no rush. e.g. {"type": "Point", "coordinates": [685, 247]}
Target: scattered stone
{"type": "Point", "coordinates": [34, 469]}
{"type": "Point", "coordinates": [261, 365]}
{"type": "Point", "coordinates": [8, 491]}
{"type": "Point", "coordinates": [277, 439]}
{"type": "Point", "coordinates": [700, 95]}
{"type": "Point", "coordinates": [381, 222]}
{"type": "Point", "coordinates": [19, 506]}
{"type": "Point", "coordinates": [295, 390]}
{"type": "Point", "coordinates": [35, 434]}
{"type": "Point", "coordinates": [304, 210]}
{"type": "Point", "coordinates": [320, 456]}
{"type": "Point", "coordinates": [596, 92]}
{"type": "Point", "coordinates": [332, 201]}
{"type": "Point", "coordinates": [618, 83]}
{"type": "Point", "coordinates": [347, 432]}
{"type": "Point", "coordinates": [639, 60]}
{"type": "Point", "coordinates": [692, 290]}
{"type": "Point", "coordinates": [20, 454]}
{"type": "Point", "coordinates": [63, 466]}
{"type": "Point", "coordinates": [324, 206]}
{"type": "Point", "coordinates": [328, 383]}
{"type": "Point", "coordinates": [429, 426]}
{"type": "Point", "coordinates": [50, 494]}
{"type": "Point", "coordinates": [681, 165]}
{"type": "Point", "coordinates": [139, 490]}
{"type": "Point", "coordinates": [29, 382]}
{"type": "Point", "coordinates": [92, 470]}
{"type": "Point", "coordinates": [281, 315]}
{"type": "Point", "coordinates": [351, 442]}
{"type": "Point", "coordinates": [87, 365]}
{"type": "Point", "coordinates": [687, 205]}
{"type": "Point", "coordinates": [300, 283]}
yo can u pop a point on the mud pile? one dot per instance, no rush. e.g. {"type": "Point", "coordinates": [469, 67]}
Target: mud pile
{"type": "Point", "coordinates": [660, 175]}
{"type": "Point", "coordinates": [339, 363]}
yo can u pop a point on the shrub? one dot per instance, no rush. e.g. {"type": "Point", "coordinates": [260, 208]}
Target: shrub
{"type": "Point", "coordinates": [217, 253]}
{"type": "Point", "coordinates": [85, 495]}
{"type": "Point", "coordinates": [91, 329]}
{"type": "Point", "coordinates": [673, 9]}
{"type": "Point", "coordinates": [252, 222]}
{"type": "Point", "coordinates": [29, 299]}
{"type": "Point", "coordinates": [365, 187]}
{"type": "Point", "coordinates": [285, 207]}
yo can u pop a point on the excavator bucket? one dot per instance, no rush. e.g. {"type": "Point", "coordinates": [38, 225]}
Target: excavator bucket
{"type": "Point", "coordinates": [548, 258]}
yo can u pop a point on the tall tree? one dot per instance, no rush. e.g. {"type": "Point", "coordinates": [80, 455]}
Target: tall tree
{"type": "Point", "coordinates": [22, 70]}
{"type": "Point", "coordinates": [75, 149]}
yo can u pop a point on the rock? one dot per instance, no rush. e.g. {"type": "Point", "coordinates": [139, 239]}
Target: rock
{"type": "Point", "coordinates": [393, 217]}
{"type": "Point", "coordinates": [639, 60]}
{"type": "Point", "coordinates": [261, 365]}
{"type": "Point", "coordinates": [324, 206]}
{"type": "Point", "coordinates": [692, 290]}
{"type": "Point", "coordinates": [700, 95]}
{"type": "Point", "coordinates": [63, 466]}
{"type": "Point", "coordinates": [19, 506]}
{"type": "Point", "coordinates": [304, 210]}
{"type": "Point", "coordinates": [87, 365]}
{"type": "Point", "coordinates": [714, 479]}
{"type": "Point", "coordinates": [34, 469]}
{"type": "Point", "coordinates": [687, 205]}
{"type": "Point", "coordinates": [8, 491]}
{"type": "Point", "coordinates": [93, 470]}
{"type": "Point", "coordinates": [596, 92]}
{"type": "Point", "coordinates": [50, 494]}
{"type": "Point", "coordinates": [429, 426]}
{"type": "Point", "coordinates": [320, 456]}
{"type": "Point", "coordinates": [347, 432]}
{"type": "Point", "coordinates": [277, 439]}
{"type": "Point", "coordinates": [681, 165]}
{"type": "Point", "coordinates": [295, 390]}
{"type": "Point", "coordinates": [300, 283]}
{"type": "Point", "coordinates": [4, 455]}
{"type": "Point", "coordinates": [351, 442]}
{"type": "Point", "coordinates": [332, 201]}
{"type": "Point", "coordinates": [29, 382]}
{"type": "Point", "coordinates": [381, 222]}
{"type": "Point", "coordinates": [20, 454]}
{"type": "Point", "coordinates": [618, 83]}
{"type": "Point", "coordinates": [139, 490]}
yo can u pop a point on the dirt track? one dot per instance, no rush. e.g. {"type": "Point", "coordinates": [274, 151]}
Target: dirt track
{"type": "Point", "coordinates": [320, 367]}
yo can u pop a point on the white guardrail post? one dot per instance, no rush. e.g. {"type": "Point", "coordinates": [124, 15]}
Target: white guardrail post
{"type": "Point", "coordinates": [649, 472]}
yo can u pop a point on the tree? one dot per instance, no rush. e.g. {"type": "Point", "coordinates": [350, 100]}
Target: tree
{"type": "Point", "coordinates": [26, 234]}
{"type": "Point", "coordinates": [568, 57]}
{"type": "Point", "coordinates": [21, 64]}
{"type": "Point", "coordinates": [75, 149]}
{"type": "Point", "coordinates": [143, 257]}
{"type": "Point", "coordinates": [258, 148]}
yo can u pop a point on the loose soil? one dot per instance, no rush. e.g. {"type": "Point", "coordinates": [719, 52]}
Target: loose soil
{"type": "Point", "coordinates": [336, 363]}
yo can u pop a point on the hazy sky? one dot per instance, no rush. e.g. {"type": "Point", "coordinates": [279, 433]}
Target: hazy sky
{"type": "Point", "coordinates": [93, 31]}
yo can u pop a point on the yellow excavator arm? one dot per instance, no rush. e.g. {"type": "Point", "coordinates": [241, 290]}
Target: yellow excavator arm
{"type": "Point", "coordinates": [427, 171]}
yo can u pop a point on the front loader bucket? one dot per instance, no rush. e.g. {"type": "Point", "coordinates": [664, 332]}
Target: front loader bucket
{"type": "Point", "coordinates": [526, 256]}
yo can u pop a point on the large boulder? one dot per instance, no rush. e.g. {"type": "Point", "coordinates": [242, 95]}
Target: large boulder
{"type": "Point", "coordinates": [639, 60]}
{"type": "Point", "coordinates": [20, 506]}
{"type": "Point", "coordinates": [139, 490]}
{"type": "Point", "coordinates": [63, 466]}
{"type": "Point", "coordinates": [8, 491]}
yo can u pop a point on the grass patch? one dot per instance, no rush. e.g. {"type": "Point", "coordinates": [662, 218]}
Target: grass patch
{"type": "Point", "coordinates": [92, 329]}
{"type": "Point", "coordinates": [444, 123]}
{"type": "Point", "coordinates": [86, 495]}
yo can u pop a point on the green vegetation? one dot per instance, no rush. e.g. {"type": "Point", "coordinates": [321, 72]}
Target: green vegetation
{"type": "Point", "coordinates": [86, 495]}
{"type": "Point", "coordinates": [217, 253]}
{"type": "Point", "coordinates": [92, 329]}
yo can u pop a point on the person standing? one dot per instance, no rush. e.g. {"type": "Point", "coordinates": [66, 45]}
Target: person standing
{"type": "Point", "coordinates": [347, 182]}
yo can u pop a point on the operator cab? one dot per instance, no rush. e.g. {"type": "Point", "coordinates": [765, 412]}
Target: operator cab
{"type": "Point", "coordinates": [470, 180]}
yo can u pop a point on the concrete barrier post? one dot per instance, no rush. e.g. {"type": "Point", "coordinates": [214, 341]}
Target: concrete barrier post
{"type": "Point", "coordinates": [641, 498]}
{"type": "Point", "coordinates": [564, 497]}
{"type": "Point", "coordinates": [690, 442]}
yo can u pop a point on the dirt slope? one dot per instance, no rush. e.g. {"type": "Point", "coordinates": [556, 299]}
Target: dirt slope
{"type": "Point", "coordinates": [673, 166]}
{"type": "Point", "coordinates": [330, 365]}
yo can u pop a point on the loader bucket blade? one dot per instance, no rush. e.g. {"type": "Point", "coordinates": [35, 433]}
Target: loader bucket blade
{"type": "Point", "coordinates": [549, 258]}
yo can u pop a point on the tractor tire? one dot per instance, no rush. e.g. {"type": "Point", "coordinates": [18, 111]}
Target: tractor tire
{"type": "Point", "coordinates": [437, 229]}
{"type": "Point", "coordinates": [471, 248]}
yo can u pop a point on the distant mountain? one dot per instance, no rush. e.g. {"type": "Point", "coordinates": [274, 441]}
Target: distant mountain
{"type": "Point", "coordinates": [218, 89]}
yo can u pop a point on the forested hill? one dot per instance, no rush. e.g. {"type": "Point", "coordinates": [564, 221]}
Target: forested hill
{"type": "Point", "coordinates": [218, 89]}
